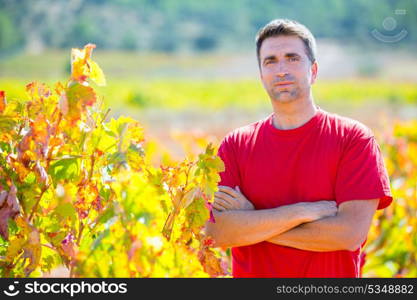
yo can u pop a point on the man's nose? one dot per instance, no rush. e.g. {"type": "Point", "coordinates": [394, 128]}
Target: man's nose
{"type": "Point", "coordinates": [281, 70]}
{"type": "Point", "coordinates": [282, 74]}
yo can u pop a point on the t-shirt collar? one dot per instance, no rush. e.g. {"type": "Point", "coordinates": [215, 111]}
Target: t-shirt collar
{"type": "Point", "coordinates": [295, 131]}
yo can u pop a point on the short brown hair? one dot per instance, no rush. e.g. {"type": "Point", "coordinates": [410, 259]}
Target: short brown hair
{"type": "Point", "coordinates": [287, 27]}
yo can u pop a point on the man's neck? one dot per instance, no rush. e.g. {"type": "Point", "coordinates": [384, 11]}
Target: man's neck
{"type": "Point", "coordinates": [293, 115]}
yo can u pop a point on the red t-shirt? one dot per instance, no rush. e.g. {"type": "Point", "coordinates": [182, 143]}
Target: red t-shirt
{"type": "Point", "coordinates": [328, 158]}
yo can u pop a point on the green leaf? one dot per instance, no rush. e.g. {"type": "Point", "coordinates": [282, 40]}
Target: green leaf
{"type": "Point", "coordinates": [97, 242]}
{"type": "Point", "coordinates": [106, 215]}
{"type": "Point", "coordinates": [5, 147]}
{"type": "Point", "coordinates": [48, 262]}
{"type": "Point", "coordinates": [7, 123]}
{"type": "Point", "coordinates": [64, 169]}
{"type": "Point", "coordinates": [65, 209]}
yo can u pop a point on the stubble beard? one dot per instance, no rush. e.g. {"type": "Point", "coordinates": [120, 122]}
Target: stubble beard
{"type": "Point", "coordinates": [285, 96]}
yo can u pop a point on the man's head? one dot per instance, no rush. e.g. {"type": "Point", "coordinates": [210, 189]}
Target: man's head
{"type": "Point", "coordinates": [286, 52]}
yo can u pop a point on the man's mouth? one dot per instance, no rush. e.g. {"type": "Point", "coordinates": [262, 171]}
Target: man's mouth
{"type": "Point", "coordinates": [283, 83]}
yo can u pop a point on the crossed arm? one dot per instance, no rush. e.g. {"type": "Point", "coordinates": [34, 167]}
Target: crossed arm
{"type": "Point", "coordinates": [314, 226]}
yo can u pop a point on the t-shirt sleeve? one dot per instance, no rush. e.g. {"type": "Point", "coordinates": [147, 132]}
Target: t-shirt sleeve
{"type": "Point", "coordinates": [230, 176]}
{"type": "Point", "coordinates": [362, 174]}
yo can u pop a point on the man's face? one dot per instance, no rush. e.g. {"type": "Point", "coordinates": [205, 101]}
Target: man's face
{"type": "Point", "coordinates": [286, 71]}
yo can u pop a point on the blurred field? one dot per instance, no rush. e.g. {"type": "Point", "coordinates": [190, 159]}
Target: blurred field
{"type": "Point", "coordinates": [180, 94]}
{"type": "Point", "coordinates": [336, 61]}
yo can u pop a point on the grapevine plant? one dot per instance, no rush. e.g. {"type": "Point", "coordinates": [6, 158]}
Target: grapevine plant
{"type": "Point", "coordinates": [78, 190]}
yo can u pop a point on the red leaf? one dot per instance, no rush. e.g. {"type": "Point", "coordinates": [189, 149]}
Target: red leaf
{"type": "Point", "coordinates": [30, 87]}
{"type": "Point", "coordinates": [208, 242]}
{"type": "Point", "coordinates": [36, 89]}
{"type": "Point", "coordinates": [211, 264]}
{"type": "Point", "coordinates": [2, 101]}
{"type": "Point", "coordinates": [3, 197]}
{"type": "Point", "coordinates": [25, 145]}
{"type": "Point", "coordinates": [68, 246]}
{"type": "Point", "coordinates": [8, 210]}
{"type": "Point", "coordinates": [210, 208]}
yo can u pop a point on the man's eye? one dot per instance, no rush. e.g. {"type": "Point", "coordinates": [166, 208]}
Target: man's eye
{"type": "Point", "coordinates": [293, 58]}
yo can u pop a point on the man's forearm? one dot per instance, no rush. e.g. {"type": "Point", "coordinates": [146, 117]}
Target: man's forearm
{"type": "Point", "coordinates": [328, 234]}
{"type": "Point", "coordinates": [246, 227]}
{"type": "Point", "coordinates": [345, 231]}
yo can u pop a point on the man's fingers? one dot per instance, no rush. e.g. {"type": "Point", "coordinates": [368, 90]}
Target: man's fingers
{"type": "Point", "coordinates": [222, 203]}
{"type": "Point", "coordinates": [228, 190]}
{"type": "Point", "coordinates": [218, 207]}
{"type": "Point", "coordinates": [215, 210]}
{"type": "Point", "coordinates": [225, 197]}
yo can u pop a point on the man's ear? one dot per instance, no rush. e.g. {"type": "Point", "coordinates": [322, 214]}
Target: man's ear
{"type": "Point", "coordinates": [314, 70]}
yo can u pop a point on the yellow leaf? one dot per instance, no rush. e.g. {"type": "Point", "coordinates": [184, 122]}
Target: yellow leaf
{"type": "Point", "coordinates": [96, 74]}
{"type": "Point", "coordinates": [15, 247]}
{"type": "Point", "coordinates": [33, 251]}
{"type": "Point", "coordinates": [81, 64]}
{"type": "Point", "coordinates": [191, 195]}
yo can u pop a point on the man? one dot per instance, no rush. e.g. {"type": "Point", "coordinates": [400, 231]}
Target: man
{"type": "Point", "coordinates": [301, 186]}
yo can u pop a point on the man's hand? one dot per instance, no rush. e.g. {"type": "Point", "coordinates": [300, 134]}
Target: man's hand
{"type": "Point", "coordinates": [312, 211]}
{"type": "Point", "coordinates": [347, 230]}
{"type": "Point", "coordinates": [231, 199]}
